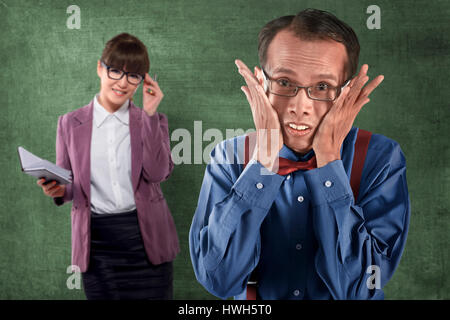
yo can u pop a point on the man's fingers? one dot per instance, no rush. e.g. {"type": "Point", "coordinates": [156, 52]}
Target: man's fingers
{"type": "Point", "coordinates": [241, 65]}
{"type": "Point", "coordinates": [355, 91]}
{"type": "Point", "coordinates": [339, 102]}
{"type": "Point", "coordinates": [372, 85]}
{"type": "Point", "coordinates": [363, 70]}
{"type": "Point", "coordinates": [253, 91]}
{"type": "Point", "coordinates": [247, 94]}
{"type": "Point", "coordinates": [249, 77]}
{"type": "Point", "coordinates": [360, 103]}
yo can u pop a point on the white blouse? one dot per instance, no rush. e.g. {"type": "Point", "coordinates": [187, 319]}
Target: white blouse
{"type": "Point", "coordinates": [111, 187]}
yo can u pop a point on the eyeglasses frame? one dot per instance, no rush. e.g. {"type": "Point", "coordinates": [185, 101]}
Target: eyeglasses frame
{"type": "Point", "coordinates": [308, 88]}
{"type": "Point", "coordinates": [123, 73]}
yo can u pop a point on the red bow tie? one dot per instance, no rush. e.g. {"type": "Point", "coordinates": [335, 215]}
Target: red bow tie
{"type": "Point", "coordinates": [286, 166]}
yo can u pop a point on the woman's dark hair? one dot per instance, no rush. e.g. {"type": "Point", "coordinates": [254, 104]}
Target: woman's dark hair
{"type": "Point", "coordinates": [125, 51]}
{"type": "Point", "coordinates": [312, 24]}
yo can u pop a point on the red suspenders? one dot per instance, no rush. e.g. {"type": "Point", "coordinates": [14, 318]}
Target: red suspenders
{"type": "Point", "coordinates": [361, 146]}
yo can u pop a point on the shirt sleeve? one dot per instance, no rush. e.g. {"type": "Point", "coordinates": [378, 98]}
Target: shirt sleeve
{"type": "Point", "coordinates": [360, 245]}
{"type": "Point", "coordinates": [157, 160]}
{"type": "Point", "coordinates": [224, 238]}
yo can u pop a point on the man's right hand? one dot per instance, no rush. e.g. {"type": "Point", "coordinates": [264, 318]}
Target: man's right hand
{"type": "Point", "coordinates": [51, 189]}
{"type": "Point", "coordinates": [269, 139]}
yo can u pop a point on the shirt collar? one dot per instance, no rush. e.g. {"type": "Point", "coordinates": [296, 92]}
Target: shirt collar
{"type": "Point", "coordinates": [290, 154]}
{"type": "Point", "coordinates": [100, 113]}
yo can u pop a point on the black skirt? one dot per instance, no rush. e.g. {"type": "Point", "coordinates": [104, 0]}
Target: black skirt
{"type": "Point", "coordinates": [119, 267]}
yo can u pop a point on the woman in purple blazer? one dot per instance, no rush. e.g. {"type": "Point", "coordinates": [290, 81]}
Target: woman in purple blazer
{"type": "Point", "coordinates": [123, 235]}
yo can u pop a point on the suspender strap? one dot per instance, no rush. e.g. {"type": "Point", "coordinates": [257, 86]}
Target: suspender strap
{"type": "Point", "coordinates": [252, 292]}
{"type": "Point", "coordinates": [361, 146]}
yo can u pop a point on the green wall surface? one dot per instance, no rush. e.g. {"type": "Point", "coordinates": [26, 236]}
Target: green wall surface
{"type": "Point", "coordinates": [48, 69]}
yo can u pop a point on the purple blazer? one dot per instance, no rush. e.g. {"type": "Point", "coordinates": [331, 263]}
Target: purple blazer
{"type": "Point", "coordinates": [151, 163]}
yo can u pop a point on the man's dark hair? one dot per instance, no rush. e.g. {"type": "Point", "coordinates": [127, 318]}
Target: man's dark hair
{"type": "Point", "coordinates": [312, 24]}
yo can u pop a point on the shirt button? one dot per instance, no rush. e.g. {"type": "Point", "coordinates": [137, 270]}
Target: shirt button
{"type": "Point", "coordinates": [298, 246]}
{"type": "Point", "coordinates": [328, 183]}
{"type": "Point", "coordinates": [300, 199]}
{"type": "Point", "coordinates": [288, 177]}
{"type": "Point", "coordinates": [259, 185]}
{"type": "Point", "coordinates": [296, 292]}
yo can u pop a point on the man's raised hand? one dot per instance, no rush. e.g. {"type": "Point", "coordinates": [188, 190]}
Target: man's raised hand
{"type": "Point", "coordinates": [269, 139]}
{"type": "Point", "coordinates": [338, 121]}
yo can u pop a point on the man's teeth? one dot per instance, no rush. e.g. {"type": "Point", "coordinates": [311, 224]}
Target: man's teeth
{"type": "Point", "coordinates": [298, 127]}
{"type": "Point", "coordinates": [119, 92]}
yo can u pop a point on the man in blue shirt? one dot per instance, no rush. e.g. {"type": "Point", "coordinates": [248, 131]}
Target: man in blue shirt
{"type": "Point", "coordinates": [301, 230]}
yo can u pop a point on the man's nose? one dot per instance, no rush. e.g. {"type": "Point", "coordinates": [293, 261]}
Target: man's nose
{"type": "Point", "coordinates": [301, 103]}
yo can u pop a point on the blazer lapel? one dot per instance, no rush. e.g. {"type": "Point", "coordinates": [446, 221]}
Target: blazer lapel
{"type": "Point", "coordinates": [136, 143]}
{"type": "Point", "coordinates": [82, 143]}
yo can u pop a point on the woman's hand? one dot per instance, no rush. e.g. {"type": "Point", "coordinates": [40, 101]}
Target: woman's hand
{"type": "Point", "coordinates": [51, 189]}
{"type": "Point", "coordinates": [151, 96]}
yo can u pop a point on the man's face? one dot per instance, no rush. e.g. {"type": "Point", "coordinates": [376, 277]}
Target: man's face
{"type": "Point", "coordinates": [304, 63]}
{"type": "Point", "coordinates": [114, 92]}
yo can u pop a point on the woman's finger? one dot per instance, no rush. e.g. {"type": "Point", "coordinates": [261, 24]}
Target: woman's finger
{"type": "Point", "coordinates": [52, 186]}
{"type": "Point", "coordinates": [54, 191]}
{"type": "Point", "coordinates": [148, 79]}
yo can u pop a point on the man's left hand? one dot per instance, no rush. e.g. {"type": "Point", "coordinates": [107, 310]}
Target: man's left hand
{"type": "Point", "coordinates": [338, 121]}
{"type": "Point", "coordinates": [151, 96]}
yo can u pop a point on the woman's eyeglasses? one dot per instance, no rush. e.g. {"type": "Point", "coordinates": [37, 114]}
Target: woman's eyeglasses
{"type": "Point", "coordinates": [117, 74]}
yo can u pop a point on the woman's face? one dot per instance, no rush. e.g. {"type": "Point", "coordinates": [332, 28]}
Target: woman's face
{"type": "Point", "coordinates": [114, 93]}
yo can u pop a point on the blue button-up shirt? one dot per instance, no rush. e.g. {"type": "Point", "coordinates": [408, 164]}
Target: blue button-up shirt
{"type": "Point", "coordinates": [304, 231]}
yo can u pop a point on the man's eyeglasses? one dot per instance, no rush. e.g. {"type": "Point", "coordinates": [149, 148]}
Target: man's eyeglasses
{"type": "Point", "coordinates": [117, 74]}
{"type": "Point", "coordinates": [321, 91]}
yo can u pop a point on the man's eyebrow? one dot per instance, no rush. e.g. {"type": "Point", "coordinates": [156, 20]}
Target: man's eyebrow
{"type": "Point", "coordinates": [292, 72]}
{"type": "Point", "coordinates": [326, 76]}
{"type": "Point", "coordinates": [283, 70]}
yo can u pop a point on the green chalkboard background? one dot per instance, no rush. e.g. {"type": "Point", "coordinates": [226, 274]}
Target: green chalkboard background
{"type": "Point", "coordinates": [48, 69]}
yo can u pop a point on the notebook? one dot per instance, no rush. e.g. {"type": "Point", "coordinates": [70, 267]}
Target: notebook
{"type": "Point", "coordinates": [40, 168]}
